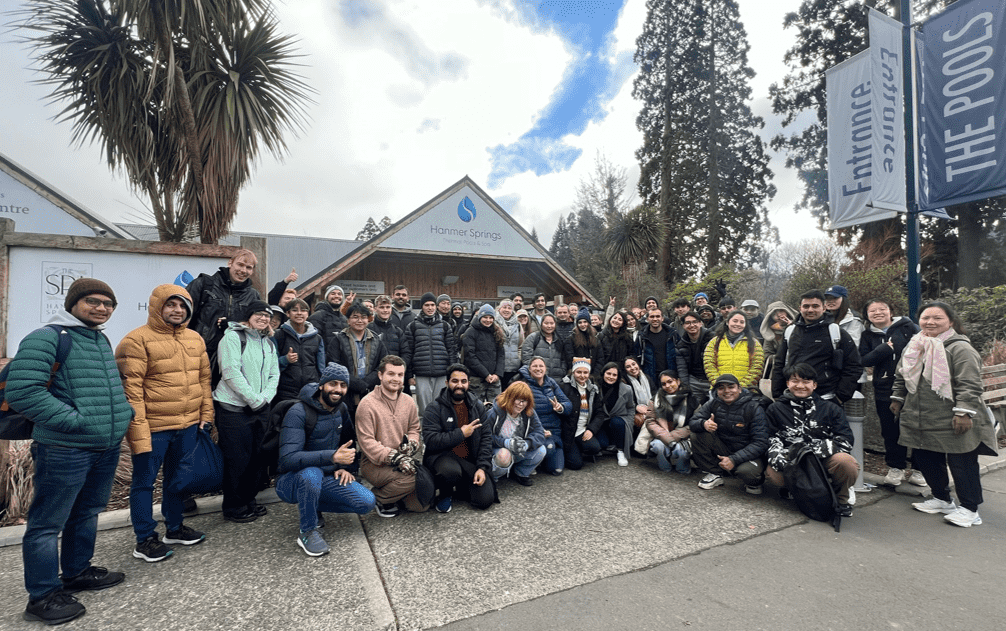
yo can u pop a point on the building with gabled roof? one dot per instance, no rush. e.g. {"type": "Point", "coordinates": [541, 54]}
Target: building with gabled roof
{"type": "Point", "coordinates": [461, 243]}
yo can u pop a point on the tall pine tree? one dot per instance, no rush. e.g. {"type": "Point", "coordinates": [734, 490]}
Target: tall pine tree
{"type": "Point", "coordinates": [702, 163]}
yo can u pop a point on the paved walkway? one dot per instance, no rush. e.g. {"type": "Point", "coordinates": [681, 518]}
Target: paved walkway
{"type": "Point", "coordinates": [419, 571]}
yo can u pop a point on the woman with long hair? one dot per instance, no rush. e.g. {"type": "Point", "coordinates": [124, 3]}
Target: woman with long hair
{"type": "Point", "coordinates": [616, 340]}
{"type": "Point", "coordinates": [735, 351]}
{"type": "Point", "coordinates": [513, 334]}
{"type": "Point", "coordinates": [642, 392]}
{"type": "Point", "coordinates": [518, 437]}
{"type": "Point", "coordinates": [550, 404]}
{"type": "Point", "coordinates": [612, 427]}
{"type": "Point", "coordinates": [938, 396]}
{"type": "Point", "coordinates": [667, 419]}
{"type": "Point", "coordinates": [583, 342]}
{"type": "Point", "coordinates": [546, 344]}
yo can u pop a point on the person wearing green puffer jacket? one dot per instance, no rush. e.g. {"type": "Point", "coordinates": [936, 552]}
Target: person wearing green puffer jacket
{"type": "Point", "coordinates": [249, 368]}
{"type": "Point", "coordinates": [79, 424]}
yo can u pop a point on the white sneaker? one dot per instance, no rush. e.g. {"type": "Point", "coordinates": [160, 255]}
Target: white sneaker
{"type": "Point", "coordinates": [934, 505]}
{"type": "Point", "coordinates": [894, 476]}
{"type": "Point", "coordinates": [852, 496]}
{"type": "Point", "coordinates": [711, 481]}
{"type": "Point", "coordinates": [964, 518]}
{"type": "Point", "coordinates": [622, 460]}
{"type": "Point", "coordinates": [917, 479]}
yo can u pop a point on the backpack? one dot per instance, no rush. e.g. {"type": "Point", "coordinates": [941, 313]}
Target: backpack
{"type": "Point", "coordinates": [809, 483]}
{"type": "Point", "coordinates": [834, 332]}
{"type": "Point", "coordinates": [269, 446]}
{"type": "Point", "coordinates": [17, 426]}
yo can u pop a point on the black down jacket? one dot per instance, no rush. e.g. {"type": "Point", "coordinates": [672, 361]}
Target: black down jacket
{"type": "Point", "coordinates": [429, 346]}
{"type": "Point", "coordinates": [741, 426]}
{"type": "Point", "coordinates": [214, 296]}
{"type": "Point", "coordinates": [484, 354]}
{"type": "Point", "coordinates": [328, 320]}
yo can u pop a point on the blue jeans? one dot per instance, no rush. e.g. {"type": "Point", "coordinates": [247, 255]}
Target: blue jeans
{"type": "Point", "coordinates": [313, 490]}
{"type": "Point", "coordinates": [521, 466]}
{"type": "Point", "coordinates": [555, 458]}
{"type": "Point", "coordinates": [677, 458]}
{"type": "Point", "coordinates": [71, 487]}
{"type": "Point", "coordinates": [166, 447]}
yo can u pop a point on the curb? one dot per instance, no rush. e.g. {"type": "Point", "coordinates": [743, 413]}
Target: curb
{"type": "Point", "coordinates": [994, 463]}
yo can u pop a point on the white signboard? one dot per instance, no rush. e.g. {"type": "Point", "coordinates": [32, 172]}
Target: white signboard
{"type": "Point", "coordinates": [505, 291]}
{"type": "Point", "coordinates": [463, 223]}
{"type": "Point", "coordinates": [33, 213]}
{"type": "Point", "coordinates": [365, 287]}
{"type": "Point", "coordinates": [40, 277]}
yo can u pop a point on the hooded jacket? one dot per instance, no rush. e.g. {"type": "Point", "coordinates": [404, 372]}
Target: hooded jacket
{"type": "Point", "coordinates": [165, 372]}
{"type": "Point", "coordinates": [334, 428]}
{"type": "Point", "coordinates": [215, 296]}
{"type": "Point", "coordinates": [720, 358]}
{"type": "Point", "coordinates": [310, 362]}
{"type": "Point", "coordinates": [768, 334]}
{"type": "Point", "coordinates": [249, 379]}
{"type": "Point", "coordinates": [530, 428]}
{"type": "Point", "coordinates": [826, 432]}
{"type": "Point", "coordinates": [430, 346]}
{"type": "Point", "coordinates": [535, 345]}
{"type": "Point", "coordinates": [513, 339]}
{"type": "Point", "coordinates": [543, 396]}
{"type": "Point", "coordinates": [343, 351]}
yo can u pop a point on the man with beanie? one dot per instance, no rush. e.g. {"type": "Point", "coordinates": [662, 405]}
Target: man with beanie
{"type": "Point", "coordinates": [80, 420]}
{"type": "Point", "coordinates": [387, 430]}
{"type": "Point", "coordinates": [220, 298]}
{"type": "Point", "coordinates": [166, 374]}
{"type": "Point", "coordinates": [430, 347]}
{"type": "Point", "coordinates": [327, 316]}
{"type": "Point", "coordinates": [485, 357]}
{"type": "Point", "coordinates": [458, 449]}
{"type": "Point", "coordinates": [317, 458]}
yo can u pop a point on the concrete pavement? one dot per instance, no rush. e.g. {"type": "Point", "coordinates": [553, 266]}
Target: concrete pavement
{"type": "Point", "coordinates": [606, 546]}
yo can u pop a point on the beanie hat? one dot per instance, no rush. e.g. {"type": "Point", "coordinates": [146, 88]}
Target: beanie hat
{"type": "Point", "coordinates": [333, 372]}
{"type": "Point", "coordinates": [701, 294]}
{"type": "Point", "coordinates": [332, 288]}
{"type": "Point", "coordinates": [443, 297]}
{"type": "Point", "coordinates": [253, 307]}
{"type": "Point", "coordinates": [583, 314]}
{"type": "Point", "coordinates": [653, 298]}
{"type": "Point", "coordinates": [427, 297]}
{"type": "Point", "coordinates": [83, 287]}
{"type": "Point", "coordinates": [486, 310]}
{"type": "Point", "coordinates": [581, 362]}
{"type": "Point", "coordinates": [456, 304]}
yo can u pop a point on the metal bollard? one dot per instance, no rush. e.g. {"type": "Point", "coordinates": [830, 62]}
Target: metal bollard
{"type": "Point", "coordinates": [855, 412]}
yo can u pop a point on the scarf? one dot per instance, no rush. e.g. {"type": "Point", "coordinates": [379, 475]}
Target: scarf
{"type": "Point", "coordinates": [677, 406]}
{"type": "Point", "coordinates": [927, 357]}
{"type": "Point", "coordinates": [640, 387]}
{"type": "Point", "coordinates": [609, 394]}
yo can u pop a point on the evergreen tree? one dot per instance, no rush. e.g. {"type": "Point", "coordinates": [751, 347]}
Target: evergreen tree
{"type": "Point", "coordinates": [561, 249]}
{"type": "Point", "coordinates": [385, 224]}
{"type": "Point", "coordinates": [534, 234]}
{"type": "Point", "coordinates": [702, 163]}
{"type": "Point", "coordinates": [369, 230]}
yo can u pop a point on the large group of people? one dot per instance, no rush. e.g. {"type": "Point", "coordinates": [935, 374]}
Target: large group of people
{"type": "Point", "coordinates": [384, 409]}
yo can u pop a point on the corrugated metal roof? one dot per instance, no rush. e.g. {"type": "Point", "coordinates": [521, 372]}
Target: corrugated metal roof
{"type": "Point", "coordinates": [308, 255]}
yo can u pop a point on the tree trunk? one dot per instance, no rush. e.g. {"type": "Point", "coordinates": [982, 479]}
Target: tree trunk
{"type": "Point", "coordinates": [664, 258]}
{"type": "Point", "coordinates": [713, 198]}
{"type": "Point", "coordinates": [969, 237]}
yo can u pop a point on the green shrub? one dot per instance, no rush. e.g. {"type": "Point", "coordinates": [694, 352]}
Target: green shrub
{"type": "Point", "coordinates": [983, 311]}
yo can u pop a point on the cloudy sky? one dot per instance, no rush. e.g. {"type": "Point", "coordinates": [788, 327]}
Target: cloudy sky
{"type": "Point", "coordinates": [520, 96]}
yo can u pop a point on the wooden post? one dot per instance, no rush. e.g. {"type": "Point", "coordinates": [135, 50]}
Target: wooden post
{"type": "Point", "coordinates": [6, 226]}
{"type": "Point", "coordinates": [260, 278]}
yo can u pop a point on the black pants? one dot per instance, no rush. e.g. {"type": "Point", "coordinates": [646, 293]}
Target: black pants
{"type": "Point", "coordinates": [240, 436]}
{"type": "Point", "coordinates": [707, 447]}
{"type": "Point", "coordinates": [964, 468]}
{"type": "Point", "coordinates": [895, 455]}
{"type": "Point", "coordinates": [453, 475]}
{"type": "Point", "coordinates": [580, 448]}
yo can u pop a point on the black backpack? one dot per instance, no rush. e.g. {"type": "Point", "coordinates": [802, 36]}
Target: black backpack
{"type": "Point", "coordinates": [269, 447]}
{"type": "Point", "coordinates": [809, 484]}
{"type": "Point", "coordinates": [17, 426]}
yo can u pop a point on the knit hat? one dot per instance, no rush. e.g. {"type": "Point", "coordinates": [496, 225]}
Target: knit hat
{"type": "Point", "coordinates": [653, 298]}
{"type": "Point", "coordinates": [333, 372]}
{"type": "Point", "coordinates": [486, 310]}
{"type": "Point", "coordinates": [332, 288]}
{"type": "Point", "coordinates": [456, 304]}
{"type": "Point", "coordinates": [701, 294]}
{"type": "Point", "coordinates": [83, 287]}
{"type": "Point", "coordinates": [427, 297]}
{"type": "Point", "coordinates": [254, 307]}
{"type": "Point", "coordinates": [443, 297]}
{"type": "Point", "coordinates": [583, 314]}
{"type": "Point", "coordinates": [581, 362]}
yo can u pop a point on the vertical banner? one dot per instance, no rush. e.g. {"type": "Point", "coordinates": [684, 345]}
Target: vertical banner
{"type": "Point", "coordinates": [887, 78]}
{"type": "Point", "coordinates": [850, 143]}
{"type": "Point", "coordinates": [962, 104]}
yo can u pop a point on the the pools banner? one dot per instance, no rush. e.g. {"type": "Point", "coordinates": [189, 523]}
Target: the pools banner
{"type": "Point", "coordinates": [962, 104]}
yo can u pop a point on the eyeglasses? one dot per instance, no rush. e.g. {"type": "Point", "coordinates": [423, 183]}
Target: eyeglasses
{"type": "Point", "coordinates": [262, 314]}
{"type": "Point", "coordinates": [95, 302]}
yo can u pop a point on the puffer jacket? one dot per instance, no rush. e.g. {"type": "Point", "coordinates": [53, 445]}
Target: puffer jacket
{"type": "Point", "coordinates": [720, 358]}
{"type": "Point", "coordinates": [390, 334]}
{"type": "Point", "coordinates": [535, 345]}
{"type": "Point", "coordinates": [86, 407]}
{"type": "Point", "coordinates": [310, 362]}
{"type": "Point", "coordinates": [572, 349]}
{"type": "Point", "coordinates": [214, 296]}
{"type": "Point", "coordinates": [530, 428]}
{"type": "Point", "coordinates": [543, 395]}
{"type": "Point", "coordinates": [334, 428]}
{"type": "Point", "coordinates": [513, 340]}
{"type": "Point", "coordinates": [789, 421]}
{"type": "Point", "coordinates": [691, 357]}
{"type": "Point", "coordinates": [328, 320]}
{"type": "Point", "coordinates": [165, 373]}
{"type": "Point", "coordinates": [874, 351]}
{"type": "Point", "coordinates": [838, 370]}
{"type": "Point", "coordinates": [248, 379]}
{"type": "Point", "coordinates": [342, 350]}
{"type": "Point", "coordinates": [745, 434]}
{"type": "Point", "coordinates": [429, 346]}
{"type": "Point", "coordinates": [441, 432]}
{"type": "Point", "coordinates": [484, 352]}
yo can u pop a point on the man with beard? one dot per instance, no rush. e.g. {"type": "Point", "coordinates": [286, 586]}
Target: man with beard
{"type": "Point", "coordinates": [328, 317]}
{"type": "Point", "coordinates": [402, 314]}
{"type": "Point", "coordinates": [458, 448]}
{"type": "Point", "coordinates": [317, 458]}
{"type": "Point", "coordinates": [429, 348]}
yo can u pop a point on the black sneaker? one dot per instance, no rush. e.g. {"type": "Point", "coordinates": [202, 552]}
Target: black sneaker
{"type": "Point", "coordinates": [260, 510]}
{"type": "Point", "coordinates": [523, 481]}
{"type": "Point", "coordinates": [92, 579]}
{"type": "Point", "coordinates": [152, 550]}
{"type": "Point", "coordinates": [386, 510]}
{"type": "Point", "coordinates": [185, 536]}
{"type": "Point", "coordinates": [243, 517]}
{"type": "Point", "coordinates": [189, 506]}
{"type": "Point", "coordinates": [845, 510]}
{"type": "Point", "coordinates": [54, 608]}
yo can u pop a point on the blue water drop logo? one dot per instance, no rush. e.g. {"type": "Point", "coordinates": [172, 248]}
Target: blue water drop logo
{"type": "Point", "coordinates": [466, 210]}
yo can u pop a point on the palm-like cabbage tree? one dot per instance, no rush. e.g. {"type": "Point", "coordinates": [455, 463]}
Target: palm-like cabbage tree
{"type": "Point", "coordinates": [632, 239]}
{"type": "Point", "coordinates": [181, 95]}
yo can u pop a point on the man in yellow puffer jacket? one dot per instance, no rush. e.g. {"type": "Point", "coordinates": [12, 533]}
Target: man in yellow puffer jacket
{"type": "Point", "coordinates": [166, 375]}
